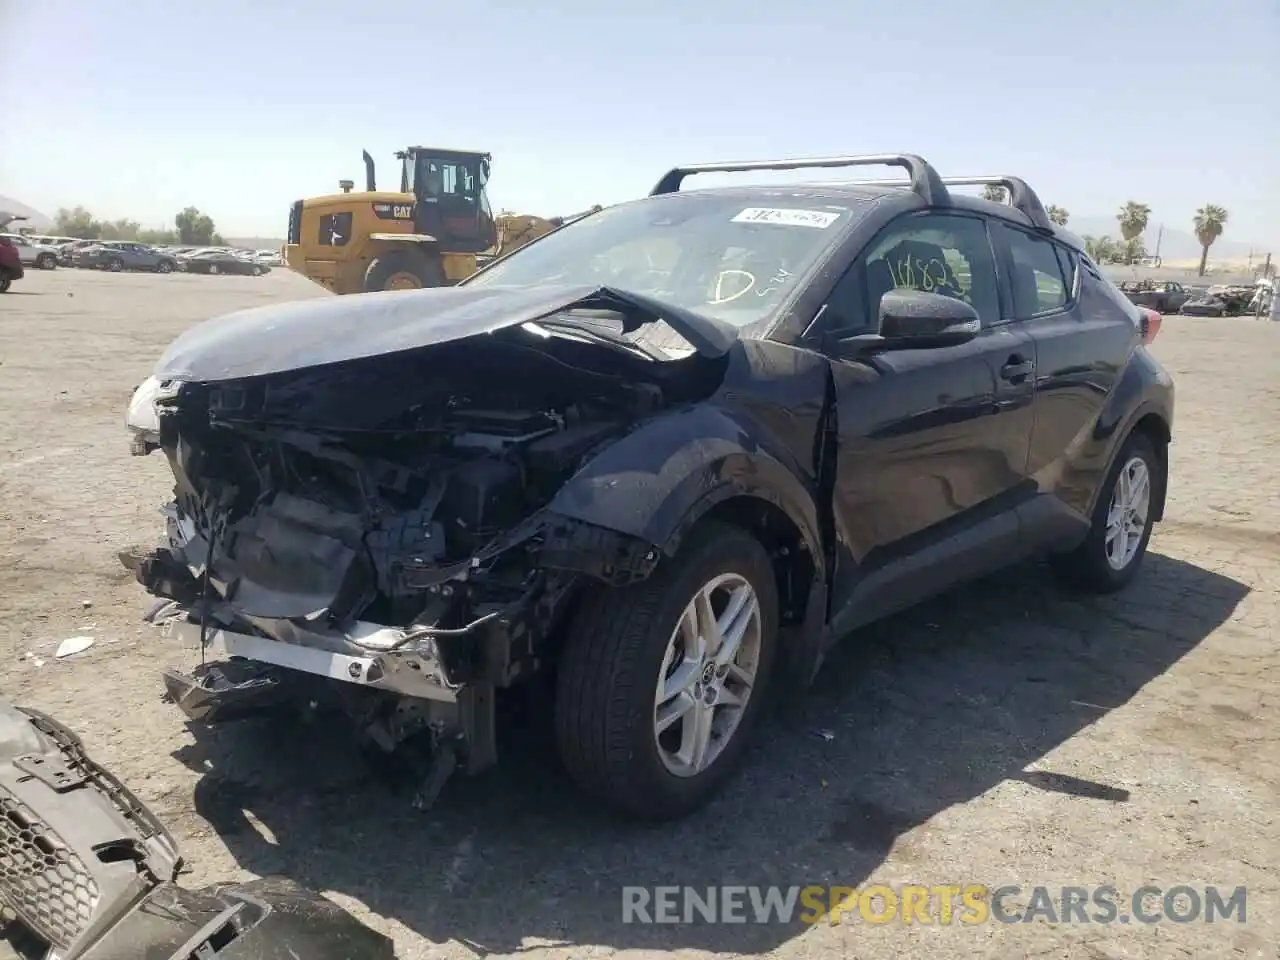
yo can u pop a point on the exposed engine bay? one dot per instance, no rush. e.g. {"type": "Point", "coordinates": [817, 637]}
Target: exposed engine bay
{"type": "Point", "coordinates": [385, 522]}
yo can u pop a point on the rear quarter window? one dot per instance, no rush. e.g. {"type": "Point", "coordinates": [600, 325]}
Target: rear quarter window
{"type": "Point", "coordinates": [1091, 274]}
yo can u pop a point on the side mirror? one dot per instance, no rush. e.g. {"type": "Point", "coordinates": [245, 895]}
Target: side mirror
{"type": "Point", "coordinates": [914, 315]}
{"type": "Point", "coordinates": [912, 320]}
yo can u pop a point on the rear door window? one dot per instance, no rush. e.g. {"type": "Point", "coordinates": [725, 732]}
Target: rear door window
{"type": "Point", "coordinates": [1039, 282]}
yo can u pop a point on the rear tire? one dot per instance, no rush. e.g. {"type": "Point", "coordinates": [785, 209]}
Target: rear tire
{"type": "Point", "coordinates": [1122, 523]}
{"type": "Point", "coordinates": [404, 270]}
{"type": "Point", "coordinates": [213, 269]}
{"type": "Point", "coordinates": [624, 652]}
{"type": "Point", "coordinates": [115, 265]}
{"type": "Point", "coordinates": [46, 261]}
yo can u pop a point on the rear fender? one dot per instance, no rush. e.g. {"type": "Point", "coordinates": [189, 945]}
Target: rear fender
{"type": "Point", "coordinates": [1145, 390]}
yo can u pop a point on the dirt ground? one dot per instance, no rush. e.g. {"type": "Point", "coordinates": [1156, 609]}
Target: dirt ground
{"type": "Point", "coordinates": [1008, 734]}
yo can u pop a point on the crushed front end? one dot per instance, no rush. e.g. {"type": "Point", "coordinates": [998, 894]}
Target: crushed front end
{"type": "Point", "coordinates": [375, 533]}
{"type": "Point", "coordinates": [88, 873]}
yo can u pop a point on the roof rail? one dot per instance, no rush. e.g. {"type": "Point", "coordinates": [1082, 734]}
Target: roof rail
{"type": "Point", "coordinates": [1021, 196]}
{"type": "Point", "coordinates": [924, 179]}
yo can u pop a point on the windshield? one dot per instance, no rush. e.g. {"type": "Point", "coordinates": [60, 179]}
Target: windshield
{"type": "Point", "coordinates": [716, 255]}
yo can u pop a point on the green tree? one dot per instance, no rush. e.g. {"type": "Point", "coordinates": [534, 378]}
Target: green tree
{"type": "Point", "coordinates": [1209, 221]}
{"type": "Point", "coordinates": [1058, 215]}
{"type": "Point", "coordinates": [160, 236]}
{"type": "Point", "coordinates": [1133, 219]}
{"type": "Point", "coordinates": [77, 222]}
{"type": "Point", "coordinates": [122, 229]}
{"type": "Point", "coordinates": [217, 241]}
{"type": "Point", "coordinates": [1100, 249]}
{"type": "Point", "coordinates": [993, 192]}
{"type": "Point", "coordinates": [194, 227]}
{"type": "Point", "coordinates": [1133, 250]}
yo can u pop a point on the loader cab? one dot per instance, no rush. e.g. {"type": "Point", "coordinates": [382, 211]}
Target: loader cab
{"type": "Point", "coordinates": [452, 203]}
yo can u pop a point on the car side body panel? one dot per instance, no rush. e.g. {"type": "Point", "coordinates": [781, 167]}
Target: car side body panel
{"type": "Point", "coordinates": [756, 436]}
{"type": "Point", "coordinates": [1094, 381]}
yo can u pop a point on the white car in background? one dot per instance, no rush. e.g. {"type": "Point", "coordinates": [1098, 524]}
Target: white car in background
{"type": "Point", "coordinates": [50, 241]}
{"type": "Point", "coordinates": [33, 254]}
{"type": "Point", "coordinates": [271, 258]}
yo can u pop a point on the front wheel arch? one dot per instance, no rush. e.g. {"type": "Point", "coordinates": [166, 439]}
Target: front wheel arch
{"type": "Point", "coordinates": [796, 568]}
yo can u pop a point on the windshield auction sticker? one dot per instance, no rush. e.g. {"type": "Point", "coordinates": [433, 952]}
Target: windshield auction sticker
{"type": "Point", "coordinates": [788, 217]}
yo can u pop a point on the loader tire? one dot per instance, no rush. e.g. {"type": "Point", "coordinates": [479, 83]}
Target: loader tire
{"type": "Point", "coordinates": [404, 270]}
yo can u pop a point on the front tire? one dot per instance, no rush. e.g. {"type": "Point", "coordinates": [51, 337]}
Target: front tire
{"type": "Point", "coordinates": [661, 684]}
{"type": "Point", "coordinates": [1122, 521]}
{"type": "Point", "coordinates": [115, 266]}
{"type": "Point", "coordinates": [46, 261]}
{"type": "Point", "coordinates": [6, 280]}
{"type": "Point", "coordinates": [404, 270]}
{"type": "Point", "coordinates": [164, 266]}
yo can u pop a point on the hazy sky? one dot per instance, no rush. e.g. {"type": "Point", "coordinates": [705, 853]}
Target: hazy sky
{"type": "Point", "coordinates": [141, 107]}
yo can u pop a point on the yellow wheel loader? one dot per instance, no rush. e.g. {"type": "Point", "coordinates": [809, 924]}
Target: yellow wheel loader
{"type": "Point", "coordinates": [434, 231]}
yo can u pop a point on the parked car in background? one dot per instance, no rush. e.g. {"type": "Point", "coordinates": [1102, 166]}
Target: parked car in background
{"type": "Point", "coordinates": [67, 252]}
{"type": "Point", "coordinates": [1235, 296]}
{"type": "Point", "coordinates": [271, 258]}
{"type": "Point", "coordinates": [11, 268]}
{"type": "Point", "coordinates": [222, 261]}
{"type": "Point", "coordinates": [51, 241]}
{"type": "Point", "coordinates": [1205, 305]}
{"type": "Point", "coordinates": [33, 254]}
{"type": "Point", "coordinates": [117, 255]}
{"type": "Point", "coordinates": [1165, 296]}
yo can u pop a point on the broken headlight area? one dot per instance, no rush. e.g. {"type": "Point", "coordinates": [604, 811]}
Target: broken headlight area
{"type": "Point", "coordinates": [381, 527]}
{"type": "Point", "coordinates": [142, 418]}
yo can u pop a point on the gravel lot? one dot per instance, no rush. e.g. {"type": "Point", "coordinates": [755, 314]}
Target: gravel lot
{"type": "Point", "coordinates": [1007, 734]}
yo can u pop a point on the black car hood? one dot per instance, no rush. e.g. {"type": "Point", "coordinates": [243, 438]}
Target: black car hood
{"type": "Point", "coordinates": [312, 333]}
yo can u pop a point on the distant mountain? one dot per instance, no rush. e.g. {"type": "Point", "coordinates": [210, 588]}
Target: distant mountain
{"type": "Point", "coordinates": [1174, 244]}
{"type": "Point", "coordinates": [36, 220]}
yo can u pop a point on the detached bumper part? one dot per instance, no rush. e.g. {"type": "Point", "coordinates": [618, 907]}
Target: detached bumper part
{"type": "Point", "coordinates": [89, 873]}
{"type": "Point", "coordinates": [218, 692]}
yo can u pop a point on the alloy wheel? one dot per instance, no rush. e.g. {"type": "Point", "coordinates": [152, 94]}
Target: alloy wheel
{"type": "Point", "coordinates": [1127, 515]}
{"type": "Point", "coordinates": [708, 672]}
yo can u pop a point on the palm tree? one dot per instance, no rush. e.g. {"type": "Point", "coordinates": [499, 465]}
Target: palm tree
{"type": "Point", "coordinates": [1133, 250]}
{"type": "Point", "coordinates": [993, 192]}
{"type": "Point", "coordinates": [1058, 214]}
{"type": "Point", "coordinates": [1209, 222]}
{"type": "Point", "coordinates": [1100, 249]}
{"type": "Point", "coordinates": [1133, 219]}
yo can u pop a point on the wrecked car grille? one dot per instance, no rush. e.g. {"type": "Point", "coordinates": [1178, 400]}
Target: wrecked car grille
{"type": "Point", "coordinates": [41, 879]}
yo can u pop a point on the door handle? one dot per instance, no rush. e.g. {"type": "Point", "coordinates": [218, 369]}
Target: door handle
{"type": "Point", "coordinates": [1017, 368]}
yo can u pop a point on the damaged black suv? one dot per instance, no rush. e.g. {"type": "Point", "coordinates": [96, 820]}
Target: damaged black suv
{"type": "Point", "coordinates": [660, 459]}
